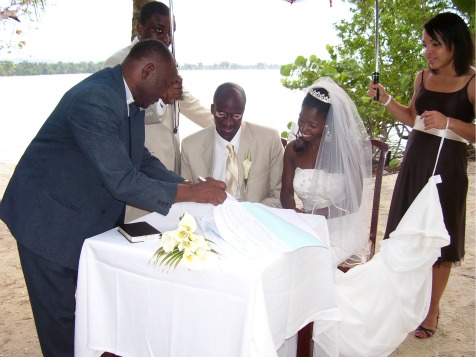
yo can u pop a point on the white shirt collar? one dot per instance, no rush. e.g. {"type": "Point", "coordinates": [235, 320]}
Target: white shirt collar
{"type": "Point", "coordinates": [129, 98]}
{"type": "Point", "coordinates": [235, 141]}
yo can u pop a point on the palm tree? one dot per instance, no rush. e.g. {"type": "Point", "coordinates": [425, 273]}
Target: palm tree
{"type": "Point", "coordinates": [137, 5]}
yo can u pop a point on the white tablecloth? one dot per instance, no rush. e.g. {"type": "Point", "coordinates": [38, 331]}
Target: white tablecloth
{"type": "Point", "coordinates": [241, 307]}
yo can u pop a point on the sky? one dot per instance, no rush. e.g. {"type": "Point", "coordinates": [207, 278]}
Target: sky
{"type": "Point", "coordinates": [208, 31]}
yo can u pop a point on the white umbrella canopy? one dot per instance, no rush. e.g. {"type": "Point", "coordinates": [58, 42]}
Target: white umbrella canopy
{"type": "Point", "coordinates": [293, 1]}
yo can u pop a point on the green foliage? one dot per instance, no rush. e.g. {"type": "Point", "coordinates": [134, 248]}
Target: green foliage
{"type": "Point", "coordinates": [352, 62]}
{"type": "Point", "coordinates": [467, 7]}
{"type": "Point", "coordinates": [288, 134]}
{"type": "Point", "coordinates": [25, 68]}
{"type": "Point", "coordinates": [8, 68]}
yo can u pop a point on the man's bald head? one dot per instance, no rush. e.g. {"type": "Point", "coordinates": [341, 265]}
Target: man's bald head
{"type": "Point", "coordinates": [149, 69]}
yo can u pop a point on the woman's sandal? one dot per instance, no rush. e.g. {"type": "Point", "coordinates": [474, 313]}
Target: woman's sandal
{"type": "Point", "coordinates": [427, 332]}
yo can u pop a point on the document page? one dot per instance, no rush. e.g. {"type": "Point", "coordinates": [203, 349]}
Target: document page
{"type": "Point", "coordinates": [256, 231]}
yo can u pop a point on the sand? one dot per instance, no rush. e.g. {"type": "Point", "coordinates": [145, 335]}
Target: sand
{"type": "Point", "coordinates": [454, 338]}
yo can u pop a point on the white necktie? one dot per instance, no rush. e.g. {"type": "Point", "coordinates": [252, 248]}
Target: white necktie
{"type": "Point", "coordinates": [231, 171]}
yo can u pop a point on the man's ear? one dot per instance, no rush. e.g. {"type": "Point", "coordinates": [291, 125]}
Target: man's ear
{"type": "Point", "coordinates": [212, 109]}
{"type": "Point", "coordinates": [139, 29]}
{"type": "Point", "coordinates": [147, 70]}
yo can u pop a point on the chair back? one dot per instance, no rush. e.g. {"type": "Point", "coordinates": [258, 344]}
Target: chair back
{"type": "Point", "coordinates": [381, 150]}
{"type": "Point", "coordinates": [382, 156]}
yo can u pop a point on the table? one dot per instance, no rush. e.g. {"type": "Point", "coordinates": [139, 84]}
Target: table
{"type": "Point", "coordinates": [241, 307]}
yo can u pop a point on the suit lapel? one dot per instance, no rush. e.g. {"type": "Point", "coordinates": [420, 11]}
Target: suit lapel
{"type": "Point", "coordinates": [208, 151]}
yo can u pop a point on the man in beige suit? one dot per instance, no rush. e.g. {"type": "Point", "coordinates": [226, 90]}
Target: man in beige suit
{"type": "Point", "coordinates": [161, 123]}
{"type": "Point", "coordinates": [205, 152]}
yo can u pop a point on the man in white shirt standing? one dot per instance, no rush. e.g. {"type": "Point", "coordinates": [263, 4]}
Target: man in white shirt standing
{"type": "Point", "coordinates": [161, 124]}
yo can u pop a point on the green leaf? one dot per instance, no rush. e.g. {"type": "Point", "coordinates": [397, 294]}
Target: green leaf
{"type": "Point", "coordinates": [466, 6]}
{"type": "Point", "coordinates": [366, 99]}
{"type": "Point", "coordinates": [157, 256]}
{"type": "Point", "coordinates": [300, 61]}
{"type": "Point", "coordinates": [394, 163]}
{"type": "Point", "coordinates": [286, 70]}
{"type": "Point", "coordinates": [177, 261]}
{"type": "Point", "coordinates": [172, 255]}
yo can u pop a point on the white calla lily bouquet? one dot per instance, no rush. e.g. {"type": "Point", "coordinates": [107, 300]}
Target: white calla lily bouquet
{"type": "Point", "coordinates": [184, 245]}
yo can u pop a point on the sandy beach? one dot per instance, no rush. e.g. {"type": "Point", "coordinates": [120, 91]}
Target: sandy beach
{"type": "Point", "coordinates": [455, 336]}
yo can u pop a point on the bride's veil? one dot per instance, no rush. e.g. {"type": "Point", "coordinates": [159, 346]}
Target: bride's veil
{"type": "Point", "coordinates": [346, 153]}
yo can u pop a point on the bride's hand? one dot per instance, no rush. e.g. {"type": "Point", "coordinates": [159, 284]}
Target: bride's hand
{"type": "Point", "coordinates": [299, 210]}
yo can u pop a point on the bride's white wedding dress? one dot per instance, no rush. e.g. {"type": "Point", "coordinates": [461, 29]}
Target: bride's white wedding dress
{"type": "Point", "coordinates": [345, 231]}
{"type": "Point", "coordinates": [386, 298]}
{"type": "Point", "coordinates": [325, 196]}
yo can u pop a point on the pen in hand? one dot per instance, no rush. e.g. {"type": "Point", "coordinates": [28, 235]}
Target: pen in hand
{"type": "Point", "coordinates": [202, 179]}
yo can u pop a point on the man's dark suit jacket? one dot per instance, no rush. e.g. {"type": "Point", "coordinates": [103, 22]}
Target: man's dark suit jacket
{"type": "Point", "coordinates": [85, 163]}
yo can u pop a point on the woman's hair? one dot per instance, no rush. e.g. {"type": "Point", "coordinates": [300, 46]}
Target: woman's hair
{"type": "Point", "coordinates": [455, 34]}
{"type": "Point", "coordinates": [320, 106]}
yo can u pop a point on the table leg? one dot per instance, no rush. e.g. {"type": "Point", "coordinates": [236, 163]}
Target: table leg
{"type": "Point", "coordinates": [305, 344]}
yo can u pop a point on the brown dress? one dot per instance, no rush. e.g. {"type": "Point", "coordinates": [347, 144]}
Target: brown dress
{"type": "Point", "coordinates": [419, 162]}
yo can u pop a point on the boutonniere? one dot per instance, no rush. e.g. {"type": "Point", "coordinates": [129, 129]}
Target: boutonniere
{"type": "Point", "coordinates": [184, 245]}
{"type": "Point", "coordinates": [246, 168]}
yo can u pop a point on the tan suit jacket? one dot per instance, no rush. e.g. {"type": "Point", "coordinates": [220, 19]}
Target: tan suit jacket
{"type": "Point", "coordinates": [264, 145]}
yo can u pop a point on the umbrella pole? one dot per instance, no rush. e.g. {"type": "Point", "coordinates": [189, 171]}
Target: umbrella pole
{"type": "Point", "coordinates": [375, 75]}
{"type": "Point", "coordinates": [172, 27]}
{"type": "Point", "coordinates": [172, 43]}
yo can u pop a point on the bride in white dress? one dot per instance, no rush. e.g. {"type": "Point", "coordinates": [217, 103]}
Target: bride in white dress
{"type": "Point", "coordinates": [328, 167]}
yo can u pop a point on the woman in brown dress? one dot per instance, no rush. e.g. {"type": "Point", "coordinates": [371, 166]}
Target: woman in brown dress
{"type": "Point", "coordinates": [443, 104]}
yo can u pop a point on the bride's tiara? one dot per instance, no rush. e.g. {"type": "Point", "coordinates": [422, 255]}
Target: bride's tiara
{"type": "Point", "coordinates": [322, 97]}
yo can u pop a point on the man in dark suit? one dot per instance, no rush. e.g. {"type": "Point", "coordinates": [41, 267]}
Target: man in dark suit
{"type": "Point", "coordinates": [74, 179]}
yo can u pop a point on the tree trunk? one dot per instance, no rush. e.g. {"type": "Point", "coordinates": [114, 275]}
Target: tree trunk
{"type": "Point", "coordinates": [136, 6]}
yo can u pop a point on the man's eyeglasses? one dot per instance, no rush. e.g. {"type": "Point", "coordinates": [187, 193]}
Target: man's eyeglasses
{"type": "Point", "coordinates": [224, 115]}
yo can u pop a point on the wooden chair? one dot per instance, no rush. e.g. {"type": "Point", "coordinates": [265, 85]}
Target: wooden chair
{"type": "Point", "coordinates": [381, 149]}
{"type": "Point", "coordinates": [382, 158]}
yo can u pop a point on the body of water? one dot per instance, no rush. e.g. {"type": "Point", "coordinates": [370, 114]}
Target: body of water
{"type": "Point", "coordinates": [28, 101]}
